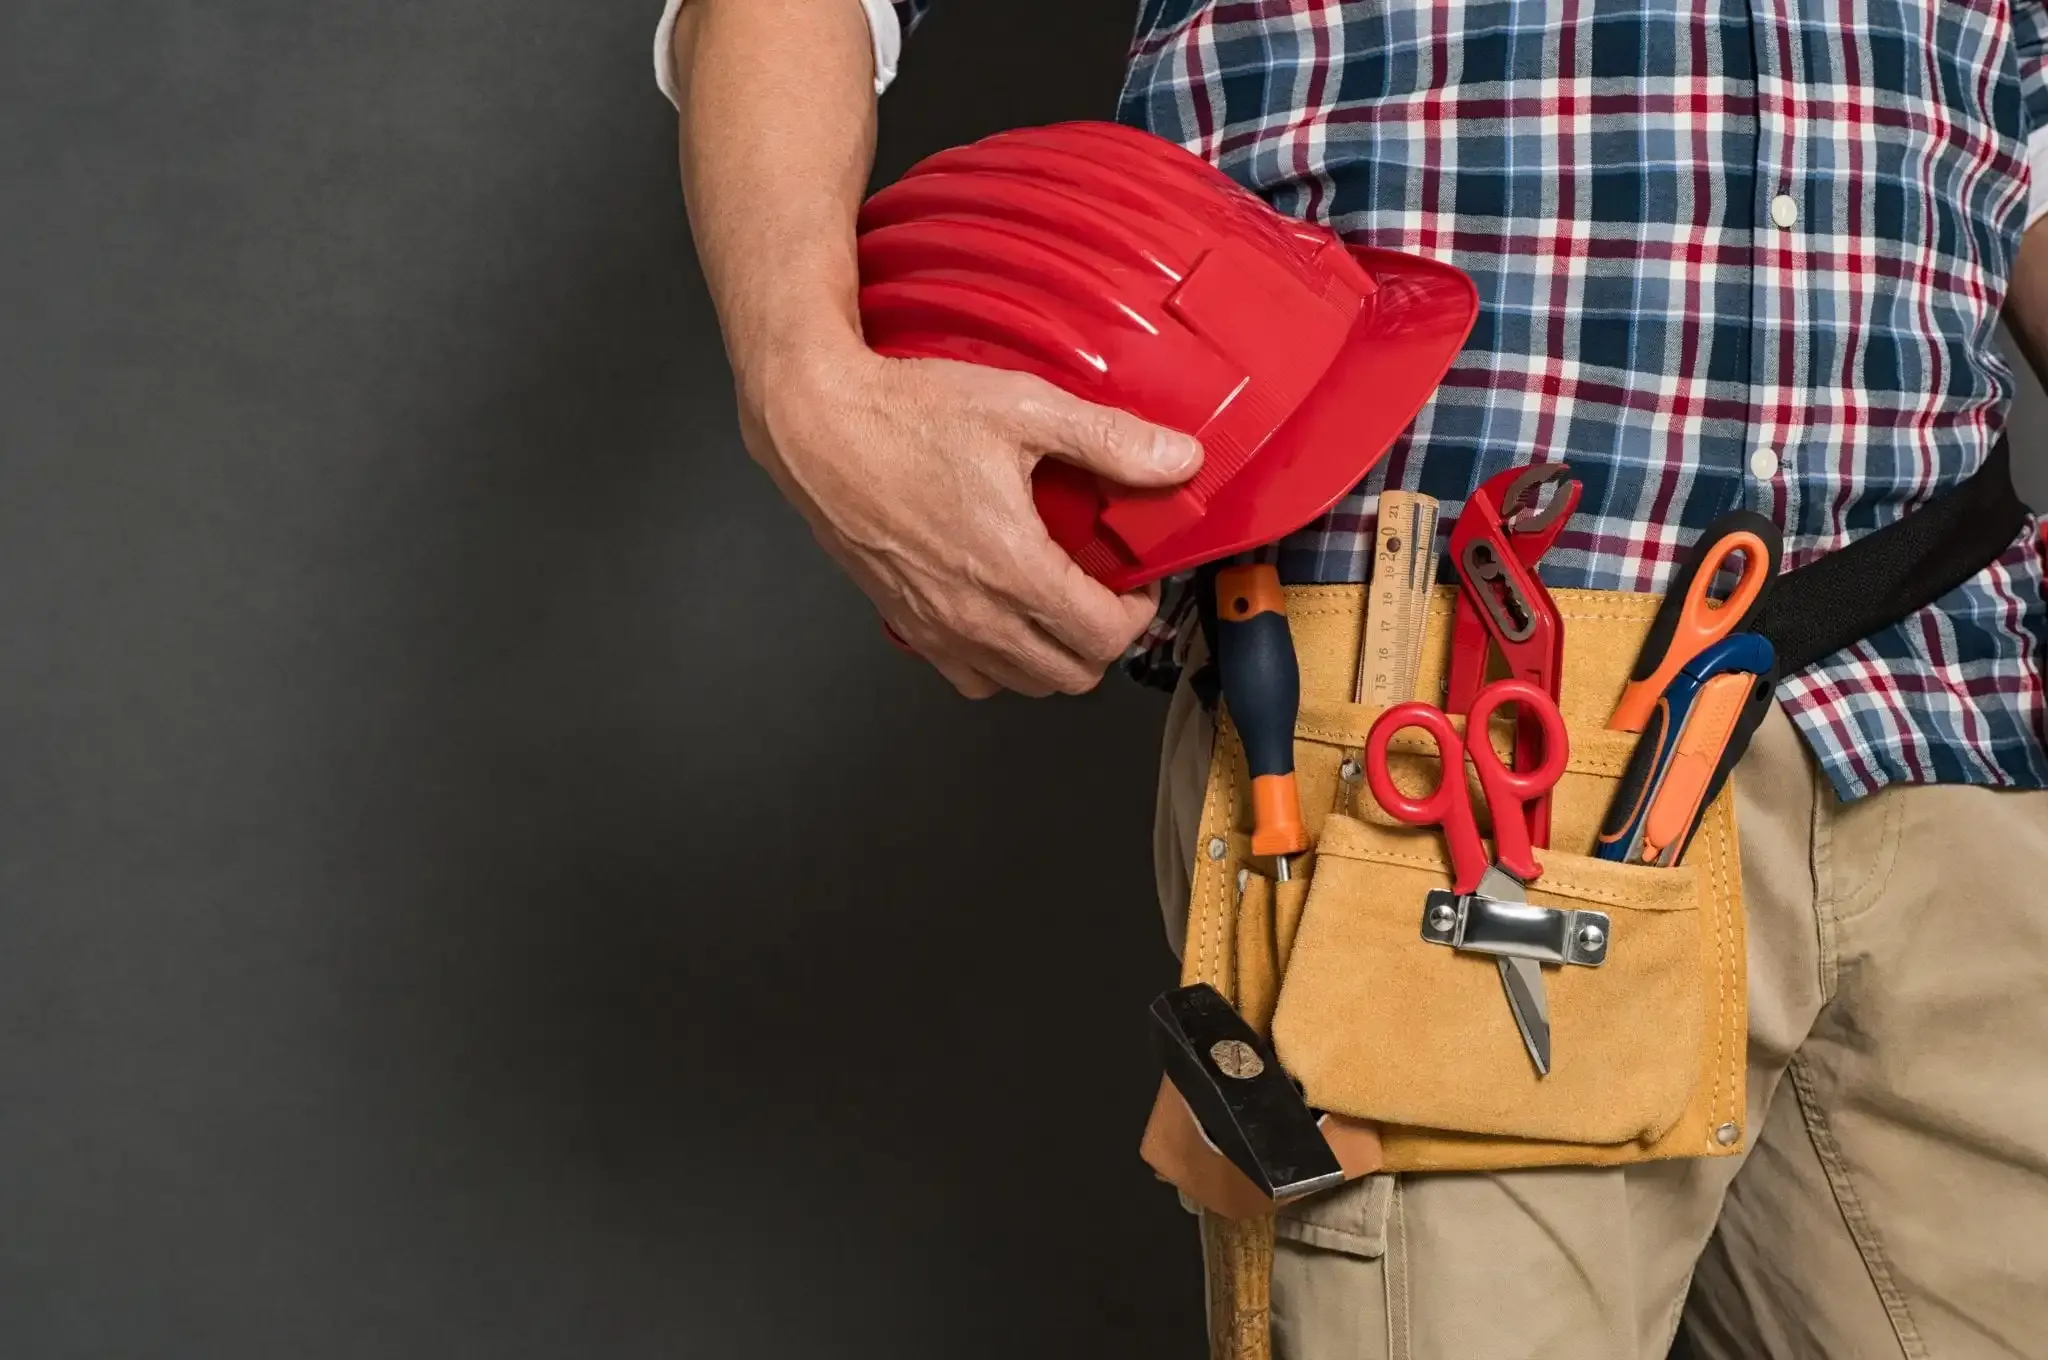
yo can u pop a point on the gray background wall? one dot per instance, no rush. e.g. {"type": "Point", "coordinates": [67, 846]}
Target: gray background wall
{"type": "Point", "coordinates": [472, 881]}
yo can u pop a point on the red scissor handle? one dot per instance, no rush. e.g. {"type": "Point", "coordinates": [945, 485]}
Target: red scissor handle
{"type": "Point", "coordinates": [1449, 805]}
{"type": "Point", "coordinates": [1513, 794]}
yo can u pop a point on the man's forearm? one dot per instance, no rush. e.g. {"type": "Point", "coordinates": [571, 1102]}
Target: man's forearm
{"type": "Point", "coordinates": [2026, 299]}
{"type": "Point", "coordinates": [914, 474]}
{"type": "Point", "coordinates": [777, 140]}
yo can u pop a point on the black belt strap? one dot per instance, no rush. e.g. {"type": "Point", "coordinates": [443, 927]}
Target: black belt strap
{"type": "Point", "coordinates": [1844, 597]}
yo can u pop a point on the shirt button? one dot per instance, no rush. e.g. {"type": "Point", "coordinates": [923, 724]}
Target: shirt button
{"type": "Point", "coordinates": [1763, 464]}
{"type": "Point", "coordinates": [1784, 211]}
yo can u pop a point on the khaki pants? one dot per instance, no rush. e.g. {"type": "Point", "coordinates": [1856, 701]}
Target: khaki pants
{"type": "Point", "coordinates": [1894, 1200]}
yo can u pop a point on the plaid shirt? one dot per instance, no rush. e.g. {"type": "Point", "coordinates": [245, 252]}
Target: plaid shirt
{"type": "Point", "coordinates": [1728, 252]}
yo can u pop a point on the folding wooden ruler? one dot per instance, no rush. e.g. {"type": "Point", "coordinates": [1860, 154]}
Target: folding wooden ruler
{"type": "Point", "coordinates": [1397, 601]}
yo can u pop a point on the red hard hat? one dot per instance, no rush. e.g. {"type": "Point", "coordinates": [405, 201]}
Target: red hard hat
{"type": "Point", "coordinates": [1131, 273]}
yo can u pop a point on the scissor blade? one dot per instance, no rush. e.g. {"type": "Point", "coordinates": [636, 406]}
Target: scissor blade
{"type": "Point", "coordinates": [1501, 885]}
{"type": "Point", "coordinates": [1522, 979]}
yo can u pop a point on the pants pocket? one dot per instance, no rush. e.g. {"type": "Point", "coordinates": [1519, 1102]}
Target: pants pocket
{"type": "Point", "coordinates": [1334, 1255]}
{"type": "Point", "coordinates": [1351, 1218]}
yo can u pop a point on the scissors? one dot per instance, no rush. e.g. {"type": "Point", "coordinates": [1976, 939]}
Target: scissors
{"type": "Point", "coordinates": [1510, 794]}
{"type": "Point", "coordinates": [1689, 621]}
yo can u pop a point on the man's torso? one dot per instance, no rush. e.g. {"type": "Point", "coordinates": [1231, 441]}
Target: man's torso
{"type": "Point", "coordinates": [1726, 255]}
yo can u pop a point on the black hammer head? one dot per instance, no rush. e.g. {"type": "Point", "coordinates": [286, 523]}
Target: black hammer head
{"type": "Point", "coordinates": [1246, 1105]}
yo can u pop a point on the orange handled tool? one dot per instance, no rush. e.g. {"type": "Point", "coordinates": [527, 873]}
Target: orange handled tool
{"type": "Point", "coordinates": [1727, 711]}
{"type": "Point", "coordinates": [1698, 728]}
{"type": "Point", "coordinates": [1690, 621]}
{"type": "Point", "coordinates": [1262, 688]}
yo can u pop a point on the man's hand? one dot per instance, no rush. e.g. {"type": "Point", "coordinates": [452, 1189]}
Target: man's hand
{"type": "Point", "coordinates": [916, 476]}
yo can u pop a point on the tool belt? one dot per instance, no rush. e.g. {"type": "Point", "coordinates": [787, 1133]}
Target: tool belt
{"type": "Point", "coordinates": [1844, 597]}
{"type": "Point", "coordinates": [1381, 1025]}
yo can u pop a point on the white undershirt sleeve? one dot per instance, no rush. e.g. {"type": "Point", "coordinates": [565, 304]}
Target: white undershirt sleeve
{"type": "Point", "coordinates": [2037, 166]}
{"type": "Point", "coordinates": [884, 32]}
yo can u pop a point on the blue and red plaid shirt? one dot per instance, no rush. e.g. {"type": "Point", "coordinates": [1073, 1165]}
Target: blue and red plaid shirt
{"type": "Point", "coordinates": [1729, 253]}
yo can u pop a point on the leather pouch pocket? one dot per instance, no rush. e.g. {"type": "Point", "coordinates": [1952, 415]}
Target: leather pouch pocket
{"type": "Point", "coordinates": [1384, 1027]}
{"type": "Point", "coordinates": [1379, 1023]}
{"type": "Point", "coordinates": [1268, 920]}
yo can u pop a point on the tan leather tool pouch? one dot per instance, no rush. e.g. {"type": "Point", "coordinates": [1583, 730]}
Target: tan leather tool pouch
{"type": "Point", "coordinates": [1423, 1035]}
{"type": "Point", "coordinates": [1383, 1026]}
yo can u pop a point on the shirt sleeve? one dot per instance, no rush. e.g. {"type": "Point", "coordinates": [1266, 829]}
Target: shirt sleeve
{"type": "Point", "coordinates": [2030, 37]}
{"type": "Point", "coordinates": [889, 21]}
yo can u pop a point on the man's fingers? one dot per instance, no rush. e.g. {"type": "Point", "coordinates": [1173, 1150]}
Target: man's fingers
{"type": "Point", "coordinates": [1007, 651]}
{"type": "Point", "coordinates": [970, 682]}
{"type": "Point", "coordinates": [1103, 439]}
{"type": "Point", "coordinates": [1085, 616]}
{"type": "Point", "coordinates": [1031, 661]}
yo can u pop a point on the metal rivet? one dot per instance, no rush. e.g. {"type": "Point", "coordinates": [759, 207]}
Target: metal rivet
{"type": "Point", "coordinates": [1727, 1134]}
{"type": "Point", "coordinates": [1218, 847]}
{"type": "Point", "coordinates": [1236, 1059]}
{"type": "Point", "coordinates": [1350, 771]}
{"type": "Point", "coordinates": [1592, 939]}
{"type": "Point", "coordinates": [1442, 918]}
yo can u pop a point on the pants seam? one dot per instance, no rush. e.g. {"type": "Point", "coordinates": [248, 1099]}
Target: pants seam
{"type": "Point", "coordinates": [1855, 1217]}
{"type": "Point", "coordinates": [1394, 1276]}
{"type": "Point", "coordinates": [1824, 886]}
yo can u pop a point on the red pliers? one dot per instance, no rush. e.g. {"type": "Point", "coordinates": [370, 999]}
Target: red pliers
{"type": "Point", "coordinates": [1504, 529]}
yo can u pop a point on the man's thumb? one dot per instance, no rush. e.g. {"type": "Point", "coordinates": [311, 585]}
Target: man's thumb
{"type": "Point", "coordinates": [1118, 445]}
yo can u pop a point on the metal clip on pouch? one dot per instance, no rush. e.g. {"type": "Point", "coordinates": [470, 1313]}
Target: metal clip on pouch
{"type": "Point", "coordinates": [1478, 924]}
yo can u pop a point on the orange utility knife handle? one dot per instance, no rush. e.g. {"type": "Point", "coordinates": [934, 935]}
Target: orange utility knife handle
{"type": "Point", "coordinates": [1262, 688]}
{"type": "Point", "coordinates": [1691, 767]}
{"type": "Point", "coordinates": [1717, 731]}
{"type": "Point", "coordinates": [1689, 621]}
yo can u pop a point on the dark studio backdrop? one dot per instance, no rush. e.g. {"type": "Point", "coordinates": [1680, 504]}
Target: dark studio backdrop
{"type": "Point", "coordinates": [473, 881]}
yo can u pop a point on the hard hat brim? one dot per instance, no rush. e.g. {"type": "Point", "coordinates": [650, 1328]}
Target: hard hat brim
{"type": "Point", "coordinates": [1389, 366]}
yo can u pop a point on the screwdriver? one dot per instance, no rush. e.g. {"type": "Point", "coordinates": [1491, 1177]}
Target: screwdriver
{"type": "Point", "coordinates": [1262, 688]}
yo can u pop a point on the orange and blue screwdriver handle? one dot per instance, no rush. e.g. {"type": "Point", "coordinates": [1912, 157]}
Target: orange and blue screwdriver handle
{"type": "Point", "coordinates": [1262, 688]}
{"type": "Point", "coordinates": [1689, 621]}
{"type": "Point", "coordinates": [1509, 793]}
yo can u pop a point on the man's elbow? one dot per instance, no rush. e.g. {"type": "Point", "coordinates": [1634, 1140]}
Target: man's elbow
{"type": "Point", "coordinates": [2026, 299]}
